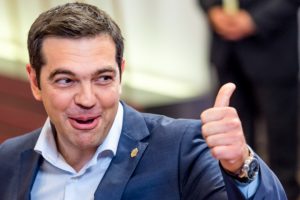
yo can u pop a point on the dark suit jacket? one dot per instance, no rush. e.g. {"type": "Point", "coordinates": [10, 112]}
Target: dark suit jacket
{"type": "Point", "coordinates": [271, 55]}
{"type": "Point", "coordinates": [173, 162]}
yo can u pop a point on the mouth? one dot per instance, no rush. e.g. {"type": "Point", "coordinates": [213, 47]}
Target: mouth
{"type": "Point", "coordinates": [84, 123]}
{"type": "Point", "coordinates": [89, 121]}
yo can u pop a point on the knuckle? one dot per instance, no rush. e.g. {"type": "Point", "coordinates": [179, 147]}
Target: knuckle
{"type": "Point", "coordinates": [234, 123]}
{"type": "Point", "coordinates": [209, 142]}
{"type": "Point", "coordinates": [203, 116]}
{"type": "Point", "coordinates": [204, 129]}
{"type": "Point", "coordinates": [232, 111]}
{"type": "Point", "coordinates": [216, 153]}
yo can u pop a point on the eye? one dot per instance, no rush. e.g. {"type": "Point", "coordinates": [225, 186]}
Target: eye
{"type": "Point", "coordinates": [64, 82]}
{"type": "Point", "coordinates": [104, 79]}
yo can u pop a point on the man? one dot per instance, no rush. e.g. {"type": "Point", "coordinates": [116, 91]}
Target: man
{"type": "Point", "coordinates": [255, 45]}
{"type": "Point", "coordinates": [93, 146]}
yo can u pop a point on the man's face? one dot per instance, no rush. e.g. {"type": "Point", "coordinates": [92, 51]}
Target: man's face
{"type": "Point", "coordinates": [80, 88]}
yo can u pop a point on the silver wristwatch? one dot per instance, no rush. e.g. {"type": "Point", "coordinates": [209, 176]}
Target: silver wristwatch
{"type": "Point", "coordinates": [249, 169]}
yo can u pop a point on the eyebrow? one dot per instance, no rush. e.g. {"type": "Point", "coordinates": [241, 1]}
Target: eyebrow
{"type": "Point", "coordinates": [69, 72]}
{"type": "Point", "coordinates": [60, 71]}
{"type": "Point", "coordinates": [104, 70]}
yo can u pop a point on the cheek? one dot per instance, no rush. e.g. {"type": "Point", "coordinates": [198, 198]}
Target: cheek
{"type": "Point", "coordinates": [57, 101]}
{"type": "Point", "coordinates": [110, 98]}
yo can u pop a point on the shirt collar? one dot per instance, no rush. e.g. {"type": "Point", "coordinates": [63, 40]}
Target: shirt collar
{"type": "Point", "coordinates": [46, 145]}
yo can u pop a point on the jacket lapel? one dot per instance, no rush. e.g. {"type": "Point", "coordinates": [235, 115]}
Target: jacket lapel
{"type": "Point", "coordinates": [129, 153]}
{"type": "Point", "coordinates": [29, 165]}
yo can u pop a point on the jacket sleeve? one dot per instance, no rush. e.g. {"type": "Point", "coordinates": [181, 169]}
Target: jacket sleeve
{"type": "Point", "coordinates": [199, 173]}
{"type": "Point", "coordinates": [201, 177]}
{"type": "Point", "coordinates": [269, 187]}
{"type": "Point", "coordinates": [207, 4]}
{"type": "Point", "coordinates": [272, 15]}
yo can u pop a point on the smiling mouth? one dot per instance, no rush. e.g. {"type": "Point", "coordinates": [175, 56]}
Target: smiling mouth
{"type": "Point", "coordinates": [84, 123]}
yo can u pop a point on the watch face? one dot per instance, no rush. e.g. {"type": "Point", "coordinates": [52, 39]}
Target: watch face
{"type": "Point", "coordinates": [253, 168]}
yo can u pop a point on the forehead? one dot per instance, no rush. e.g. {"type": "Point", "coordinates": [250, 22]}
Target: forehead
{"type": "Point", "coordinates": [86, 52]}
{"type": "Point", "coordinates": [84, 46]}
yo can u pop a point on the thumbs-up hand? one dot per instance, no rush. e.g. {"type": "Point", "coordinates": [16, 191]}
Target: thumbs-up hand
{"type": "Point", "coordinates": [223, 131]}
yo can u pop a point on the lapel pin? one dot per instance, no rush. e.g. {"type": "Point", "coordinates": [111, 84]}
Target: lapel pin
{"type": "Point", "coordinates": [134, 152]}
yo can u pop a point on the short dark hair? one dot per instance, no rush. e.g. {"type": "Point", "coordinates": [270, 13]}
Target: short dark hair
{"type": "Point", "coordinates": [71, 20]}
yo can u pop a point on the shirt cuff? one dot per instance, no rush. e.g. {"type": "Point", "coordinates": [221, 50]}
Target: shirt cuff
{"type": "Point", "coordinates": [248, 189]}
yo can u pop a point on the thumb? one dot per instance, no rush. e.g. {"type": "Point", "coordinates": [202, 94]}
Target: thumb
{"type": "Point", "coordinates": [224, 94]}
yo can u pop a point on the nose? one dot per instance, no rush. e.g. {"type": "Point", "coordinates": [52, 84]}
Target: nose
{"type": "Point", "coordinates": [85, 97]}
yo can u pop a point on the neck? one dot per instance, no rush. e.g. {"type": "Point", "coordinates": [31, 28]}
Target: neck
{"type": "Point", "coordinates": [75, 156]}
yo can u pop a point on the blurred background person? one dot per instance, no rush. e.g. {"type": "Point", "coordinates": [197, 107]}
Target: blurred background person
{"type": "Point", "coordinates": [255, 45]}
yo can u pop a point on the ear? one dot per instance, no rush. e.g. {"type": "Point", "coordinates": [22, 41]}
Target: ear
{"type": "Point", "coordinates": [122, 66]}
{"type": "Point", "coordinates": [121, 74]}
{"type": "Point", "coordinates": [36, 91]}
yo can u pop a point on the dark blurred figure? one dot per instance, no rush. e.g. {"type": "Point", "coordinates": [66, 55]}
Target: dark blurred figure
{"type": "Point", "coordinates": [255, 45]}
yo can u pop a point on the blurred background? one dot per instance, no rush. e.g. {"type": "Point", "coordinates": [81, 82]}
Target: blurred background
{"type": "Point", "coordinates": [166, 52]}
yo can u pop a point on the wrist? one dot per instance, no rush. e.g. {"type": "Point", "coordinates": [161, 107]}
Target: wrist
{"type": "Point", "coordinates": [248, 171]}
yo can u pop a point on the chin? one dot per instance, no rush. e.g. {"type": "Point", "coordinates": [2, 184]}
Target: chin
{"type": "Point", "coordinates": [88, 140]}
